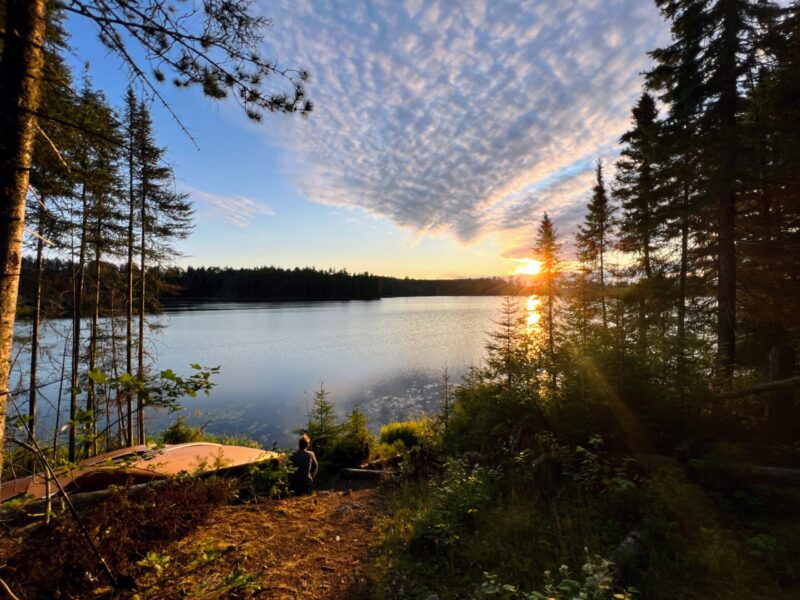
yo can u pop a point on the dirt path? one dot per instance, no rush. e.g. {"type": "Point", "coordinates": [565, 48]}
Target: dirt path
{"type": "Point", "coordinates": [307, 547]}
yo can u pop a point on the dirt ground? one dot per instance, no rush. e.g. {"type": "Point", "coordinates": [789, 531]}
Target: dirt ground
{"type": "Point", "coordinates": [306, 547]}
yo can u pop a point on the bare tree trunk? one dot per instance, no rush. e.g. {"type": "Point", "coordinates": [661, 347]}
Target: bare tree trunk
{"type": "Point", "coordinates": [129, 288]}
{"type": "Point", "coordinates": [20, 75]}
{"type": "Point", "coordinates": [77, 310]}
{"type": "Point", "coordinates": [783, 417]}
{"type": "Point", "coordinates": [91, 401]}
{"type": "Point", "coordinates": [551, 341]}
{"type": "Point", "coordinates": [37, 312]}
{"type": "Point", "coordinates": [603, 282]}
{"type": "Point", "coordinates": [684, 268]}
{"type": "Point", "coordinates": [726, 190]}
{"type": "Point", "coordinates": [142, 292]}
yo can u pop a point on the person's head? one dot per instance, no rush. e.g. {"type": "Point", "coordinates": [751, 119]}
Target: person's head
{"type": "Point", "coordinates": [304, 441]}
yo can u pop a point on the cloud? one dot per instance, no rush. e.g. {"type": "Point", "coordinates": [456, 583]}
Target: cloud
{"type": "Point", "coordinates": [464, 118]}
{"type": "Point", "coordinates": [237, 210]}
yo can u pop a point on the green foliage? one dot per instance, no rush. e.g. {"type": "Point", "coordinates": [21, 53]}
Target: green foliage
{"type": "Point", "coordinates": [181, 433]}
{"type": "Point", "coordinates": [409, 433]}
{"type": "Point", "coordinates": [270, 477]}
{"type": "Point", "coordinates": [322, 426]}
{"type": "Point", "coordinates": [456, 500]}
{"type": "Point", "coordinates": [596, 584]}
{"type": "Point", "coordinates": [354, 443]}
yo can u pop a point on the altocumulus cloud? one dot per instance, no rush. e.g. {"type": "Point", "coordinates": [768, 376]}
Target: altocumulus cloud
{"type": "Point", "coordinates": [237, 210]}
{"type": "Point", "coordinates": [463, 118]}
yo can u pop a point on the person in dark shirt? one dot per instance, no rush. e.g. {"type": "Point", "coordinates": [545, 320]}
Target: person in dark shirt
{"type": "Point", "coordinates": [305, 463]}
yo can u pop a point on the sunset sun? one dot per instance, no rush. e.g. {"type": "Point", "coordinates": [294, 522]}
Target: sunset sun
{"type": "Point", "coordinates": [529, 266]}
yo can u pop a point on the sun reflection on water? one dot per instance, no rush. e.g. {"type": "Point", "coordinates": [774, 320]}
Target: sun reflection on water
{"type": "Point", "coordinates": [533, 312]}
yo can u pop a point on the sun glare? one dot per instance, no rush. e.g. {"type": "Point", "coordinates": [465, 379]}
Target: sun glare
{"type": "Point", "coordinates": [530, 266]}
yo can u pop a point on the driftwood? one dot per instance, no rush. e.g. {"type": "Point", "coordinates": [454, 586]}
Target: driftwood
{"type": "Point", "coordinates": [364, 473]}
{"type": "Point", "coordinates": [762, 388]}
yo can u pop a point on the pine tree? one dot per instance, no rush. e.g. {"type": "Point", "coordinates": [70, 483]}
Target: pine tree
{"type": "Point", "coordinates": [164, 217]}
{"type": "Point", "coordinates": [547, 250]}
{"type": "Point", "coordinates": [51, 179]}
{"type": "Point", "coordinates": [96, 163]}
{"type": "Point", "coordinates": [593, 239]}
{"type": "Point", "coordinates": [724, 36]}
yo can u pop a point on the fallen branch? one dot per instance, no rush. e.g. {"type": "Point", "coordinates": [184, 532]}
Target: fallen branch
{"type": "Point", "coordinates": [762, 388]}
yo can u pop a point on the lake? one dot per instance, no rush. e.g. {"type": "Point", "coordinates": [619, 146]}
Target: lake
{"type": "Point", "coordinates": [385, 356]}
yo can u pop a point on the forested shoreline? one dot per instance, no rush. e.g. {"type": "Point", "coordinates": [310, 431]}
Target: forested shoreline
{"type": "Point", "coordinates": [251, 284]}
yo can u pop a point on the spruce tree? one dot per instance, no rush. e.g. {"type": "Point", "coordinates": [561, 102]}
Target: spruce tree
{"type": "Point", "coordinates": [593, 239]}
{"type": "Point", "coordinates": [724, 37]}
{"type": "Point", "coordinates": [547, 250]}
{"type": "Point", "coordinates": [164, 218]}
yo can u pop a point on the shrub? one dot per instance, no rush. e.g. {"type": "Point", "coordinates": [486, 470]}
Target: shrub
{"type": "Point", "coordinates": [456, 501]}
{"type": "Point", "coordinates": [597, 584]}
{"type": "Point", "coordinates": [181, 433]}
{"type": "Point", "coordinates": [410, 433]}
{"type": "Point", "coordinates": [354, 443]}
{"type": "Point", "coordinates": [271, 477]}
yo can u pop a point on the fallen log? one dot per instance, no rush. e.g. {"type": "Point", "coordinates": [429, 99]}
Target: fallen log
{"type": "Point", "coordinates": [364, 473]}
{"type": "Point", "coordinates": [762, 388]}
{"type": "Point", "coordinates": [383, 463]}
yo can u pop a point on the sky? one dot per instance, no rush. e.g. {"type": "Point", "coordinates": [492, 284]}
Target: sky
{"type": "Point", "coordinates": [442, 130]}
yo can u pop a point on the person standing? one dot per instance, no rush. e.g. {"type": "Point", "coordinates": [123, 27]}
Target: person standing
{"type": "Point", "coordinates": [306, 467]}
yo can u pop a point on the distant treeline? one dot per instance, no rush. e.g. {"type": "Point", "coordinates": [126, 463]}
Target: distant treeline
{"type": "Point", "coordinates": [260, 283]}
{"type": "Point", "coordinates": [275, 283]}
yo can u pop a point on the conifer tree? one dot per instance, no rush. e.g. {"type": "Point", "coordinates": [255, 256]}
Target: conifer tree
{"type": "Point", "coordinates": [725, 37]}
{"type": "Point", "coordinates": [51, 180]}
{"type": "Point", "coordinates": [594, 238]}
{"type": "Point", "coordinates": [164, 217]}
{"type": "Point", "coordinates": [547, 250]}
{"type": "Point", "coordinates": [96, 163]}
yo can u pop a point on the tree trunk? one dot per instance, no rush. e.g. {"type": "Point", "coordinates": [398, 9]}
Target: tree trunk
{"type": "Point", "coordinates": [726, 189]}
{"type": "Point", "coordinates": [603, 282]}
{"type": "Point", "coordinates": [551, 340]}
{"type": "Point", "coordinates": [142, 292]}
{"type": "Point", "coordinates": [684, 268]}
{"type": "Point", "coordinates": [37, 313]}
{"type": "Point", "coordinates": [91, 401]}
{"type": "Point", "coordinates": [20, 75]}
{"type": "Point", "coordinates": [77, 313]}
{"type": "Point", "coordinates": [783, 417]}
{"type": "Point", "coordinates": [129, 288]}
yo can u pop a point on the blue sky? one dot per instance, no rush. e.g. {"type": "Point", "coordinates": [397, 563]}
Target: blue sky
{"type": "Point", "coordinates": [441, 132]}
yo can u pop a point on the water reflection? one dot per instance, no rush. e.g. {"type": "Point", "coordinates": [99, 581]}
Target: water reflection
{"type": "Point", "coordinates": [386, 356]}
{"type": "Point", "coordinates": [533, 313]}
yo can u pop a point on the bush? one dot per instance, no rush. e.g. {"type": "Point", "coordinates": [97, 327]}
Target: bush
{"type": "Point", "coordinates": [181, 433]}
{"type": "Point", "coordinates": [271, 477]}
{"type": "Point", "coordinates": [354, 443]}
{"type": "Point", "coordinates": [410, 433]}
{"type": "Point", "coordinates": [456, 502]}
{"type": "Point", "coordinates": [597, 583]}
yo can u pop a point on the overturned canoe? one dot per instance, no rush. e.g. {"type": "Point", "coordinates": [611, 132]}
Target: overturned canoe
{"type": "Point", "coordinates": [138, 464]}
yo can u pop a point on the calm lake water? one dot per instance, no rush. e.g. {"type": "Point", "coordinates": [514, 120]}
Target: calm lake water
{"type": "Point", "coordinates": [386, 357]}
